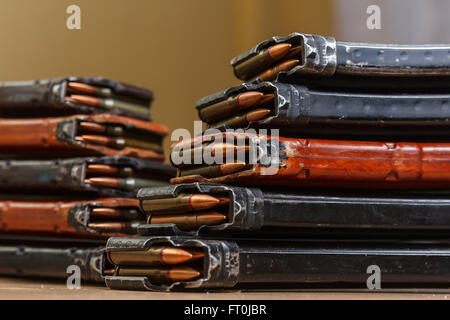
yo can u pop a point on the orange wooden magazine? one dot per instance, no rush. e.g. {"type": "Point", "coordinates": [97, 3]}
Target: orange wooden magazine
{"type": "Point", "coordinates": [81, 135]}
{"type": "Point", "coordinates": [99, 218]}
{"type": "Point", "coordinates": [317, 163]}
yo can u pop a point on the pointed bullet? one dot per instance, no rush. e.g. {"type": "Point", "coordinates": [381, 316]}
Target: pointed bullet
{"type": "Point", "coordinates": [278, 51]}
{"type": "Point", "coordinates": [255, 64]}
{"type": "Point", "coordinates": [214, 149]}
{"type": "Point", "coordinates": [174, 255]}
{"type": "Point", "coordinates": [155, 255]}
{"type": "Point", "coordinates": [116, 213]}
{"type": "Point", "coordinates": [182, 203]}
{"type": "Point", "coordinates": [107, 129]}
{"type": "Point", "coordinates": [257, 114]}
{"type": "Point", "coordinates": [92, 101]}
{"type": "Point", "coordinates": [105, 169]}
{"type": "Point", "coordinates": [294, 53]}
{"type": "Point", "coordinates": [111, 212]}
{"type": "Point", "coordinates": [120, 143]}
{"type": "Point", "coordinates": [209, 219]}
{"type": "Point", "coordinates": [104, 182]}
{"type": "Point", "coordinates": [107, 226]}
{"type": "Point", "coordinates": [161, 275]}
{"type": "Point", "coordinates": [271, 74]}
{"type": "Point", "coordinates": [228, 168]}
{"type": "Point", "coordinates": [213, 171]}
{"type": "Point", "coordinates": [102, 169]}
{"type": "Point", "coordinates": [224, 200]}
{"type": "Point", "coordinates": [86, 88]}
{"type": "Point", "coordinates": [81, 87]}
{"type": "Point", "coordinates": [182, 273]}
{"type": "Point", "coordinates": [109, 103]}
{"type": "Point", "coordinates": [230, 106]}
{"type": "Point", "coordinates": [71, 100]}
{"type": "Point", "coordinates": [247, 99]}
{"type": "Point", "coordinates": [197, 254]}
{"type": "Point", "coordinates": [202, 201]}
{"type": "Point", "coordinates": [243, 120]}
{"type": "Point", "coordinates": [91, 127]}
{"type": "Point", "coordinates": [115, 227]}
{"type": "Point", "coordinates": [100, 140]}
{"type": "Point", "coordinates": [190, 221]}
{"type": "Point", "coordinates": [266, 99]}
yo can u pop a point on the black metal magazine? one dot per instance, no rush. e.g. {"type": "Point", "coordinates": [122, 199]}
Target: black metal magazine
{"type": "Point", "coordinates": [70, 175]}
{"type": "Point", "coordinates": [265, 264]}
{"type": "Point", "coordinates": [363, 66]}
{"type": "Point", "coordinates": [301, 111]}
{"type": "Point", "coordinates": [283, 213]}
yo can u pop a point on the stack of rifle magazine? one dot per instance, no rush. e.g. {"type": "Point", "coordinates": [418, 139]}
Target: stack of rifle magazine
{"type": "Point", "coordinates": [73, 154]}
{"type": "Point", "coordinates": [330, 169]}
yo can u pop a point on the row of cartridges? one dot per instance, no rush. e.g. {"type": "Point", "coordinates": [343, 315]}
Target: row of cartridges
{"type": "Point", "coordinates": [330, 158]}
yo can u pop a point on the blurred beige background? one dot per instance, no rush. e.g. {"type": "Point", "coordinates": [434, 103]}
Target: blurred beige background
{"type": "Point", "coordinates": [180, 49]}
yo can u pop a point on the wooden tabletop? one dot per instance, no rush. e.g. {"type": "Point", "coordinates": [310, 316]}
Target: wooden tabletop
{"type": "Point", "coordinates": [17, 288]}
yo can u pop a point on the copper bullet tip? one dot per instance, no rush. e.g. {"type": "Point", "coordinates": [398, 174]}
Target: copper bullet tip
{"type": "Point", "coordinates": [266, 99]}
{"type": "Point", "coordinates": [91, 126]}
{"type": "Point", "coordinates": [107, 226]}
{"type": "Point", "coordinates": [105, 182]}
{"type": "Point", "coordinates": [287, 65]}
{"type": "Point", "coordinates": [248, 99]}
{"type": "Point", "coordinates": [190, 221]}
{"type": "Point", "coordinates": [294, 52]}
{"type": "Point", "coordinates": [79, 139]}
{"type": "Point", "coordinates": [271, 74]}
{"type": "Point", "coordinates": [228, 168]}
{"type": "Point", "coordinates": [197, 254]}
{"type": "Point", "coordinates": [92, 101]}
{"type": "Point", "coordinates": [182, 273]}
{"type": "Point", "coordinates": [96, 139]}
{"type": "Point", "coordinates": [87, 181]}
{"type": "Point", "coordinates": [102, 168]}
{"type": "Point", "coordinates": [257, 114]}
{"type": "Point", "coordinates": [203, 200]}
{"type": "Point", "coordinates": [277, 51]}
{"type": "Point", "coordinates": [105, 212]}
{"type": "Point", "coordinates": [175, 255]}
{"type": "Point", "coordinates": [211, 218]}
{"type": "Point", "coordinates": [81, 87]}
